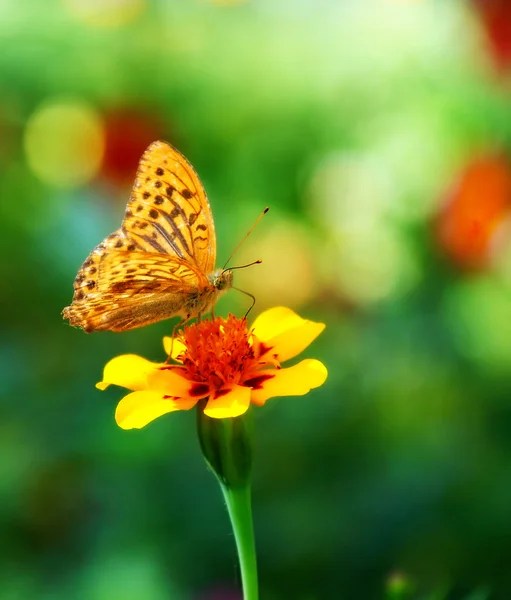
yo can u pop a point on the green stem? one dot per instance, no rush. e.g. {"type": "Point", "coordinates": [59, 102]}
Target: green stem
{"type": "Point", "coordinates": [227, 447]}
{"type": "Point", "coordinates": [240, 512]}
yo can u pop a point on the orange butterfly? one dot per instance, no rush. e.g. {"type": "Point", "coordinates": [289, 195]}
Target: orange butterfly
{"type": "Point", "coordinates": [160, 263]}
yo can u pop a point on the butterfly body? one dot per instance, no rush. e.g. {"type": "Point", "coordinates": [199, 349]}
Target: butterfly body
{"type": "Point", "coordinates": [160, 263]}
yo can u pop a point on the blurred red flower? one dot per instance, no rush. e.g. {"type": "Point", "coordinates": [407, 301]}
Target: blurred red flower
{"type": "Point", "coordinates": [475, 211]}
{"type": "Point", "coordinates": [495, 18]}
{"type": "Point", "coordinates": [128, 132]}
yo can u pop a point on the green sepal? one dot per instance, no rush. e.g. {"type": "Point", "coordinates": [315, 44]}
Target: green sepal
{"type": "Point", "coordinates": [227, 446]}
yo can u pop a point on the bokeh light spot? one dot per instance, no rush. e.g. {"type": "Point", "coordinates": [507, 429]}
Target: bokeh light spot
{"type": "Point", "coordinates": [105, 13]}
{"type": "Point", "coordinates": [478, 313]}
{"type": "Point", "coordinates": [372, 264]}
{"type": "Point", "coordinates": [64, 143]}
{"type": "Point", "coordinates": [287, 274]}
{"type": "Point", "coordinates": [477, 208]}
{"type": "Point", "coordinates": [352, 196]}
{"type": "Point", "coordinates": [128, 132]}
{"type": "Point", "coordinates": [227, 2]}
{"type": "Point", "coordinates": [350, 190]}
{"type": "Point", "coordinates": [495, 20]}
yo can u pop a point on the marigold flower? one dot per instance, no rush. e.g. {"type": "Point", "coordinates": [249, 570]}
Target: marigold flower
{"type": "Point", "coordinates": [221, 360]}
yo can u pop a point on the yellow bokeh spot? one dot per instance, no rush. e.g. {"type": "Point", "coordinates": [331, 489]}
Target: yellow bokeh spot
{"type": "Point", "coordinates": [105, 13]}
{"type": "Point", "coordinates": [227, 2]}
{"type": "Point", "coordinates": [371, 265]}
{"type": "Point", "coordinates": [64, 143]}
{"type": "Point", "coordinates": [365, 258]}
{"type": "Point", "coordinates": [288, 273]}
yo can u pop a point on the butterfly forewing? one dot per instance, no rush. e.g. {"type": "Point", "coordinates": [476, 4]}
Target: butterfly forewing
{"type": "Point", "coordinates": [168, 211]}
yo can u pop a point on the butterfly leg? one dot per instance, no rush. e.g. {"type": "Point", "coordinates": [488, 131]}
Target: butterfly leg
{"type": "Point", "coordinates": [182, 322]}
{"type": "Point", "coordinates": [252, 305]}
{"type": "Point", "coordinates": [250, 296]}
{"type": "Point", "coordinates": [199, 319]}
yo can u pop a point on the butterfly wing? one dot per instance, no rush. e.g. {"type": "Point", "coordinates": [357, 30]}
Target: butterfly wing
{"type": "Point", "coordinates": [168, 215]}
{"type": "Point", "coordinates": [138, 288]}
{"type": "Point", "coordinates": [168, 211]}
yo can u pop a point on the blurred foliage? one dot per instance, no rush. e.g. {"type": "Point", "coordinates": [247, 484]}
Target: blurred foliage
{"type": "Point", "coordinates": [379, 133]}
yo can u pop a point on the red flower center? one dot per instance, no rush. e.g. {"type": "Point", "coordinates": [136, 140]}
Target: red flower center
{"type": "Point", "coordinates": [218, 352]}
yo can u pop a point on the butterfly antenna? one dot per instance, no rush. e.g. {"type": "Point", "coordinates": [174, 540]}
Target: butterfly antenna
{"type": "Point", "coordinates": [246, 236]}
{"type": "Point", "coordinates": [256, 262]}
{"type": "Point", "coordinates": [250, 296]}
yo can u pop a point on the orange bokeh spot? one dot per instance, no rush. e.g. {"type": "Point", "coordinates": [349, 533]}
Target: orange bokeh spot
{"type": "Point", "coordinates": [475, 210]}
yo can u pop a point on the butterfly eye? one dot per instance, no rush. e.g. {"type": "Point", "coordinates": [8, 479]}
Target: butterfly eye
{"type": "Point", "coordinates": [223, 281]}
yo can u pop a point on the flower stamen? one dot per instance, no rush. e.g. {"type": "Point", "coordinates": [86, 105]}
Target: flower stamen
{"type": "Point", "coordinates": [219, 352]}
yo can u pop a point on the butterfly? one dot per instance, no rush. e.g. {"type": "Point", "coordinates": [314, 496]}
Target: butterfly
{"type": "Point", "coordinates": [160, 263]}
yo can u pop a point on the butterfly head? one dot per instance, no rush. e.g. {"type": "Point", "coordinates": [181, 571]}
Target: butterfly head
{"type": "Point", "coordinates": [222, 279]}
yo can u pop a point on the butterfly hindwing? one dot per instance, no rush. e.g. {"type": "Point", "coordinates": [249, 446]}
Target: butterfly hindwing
{"type": "Point", "coordinates": [139, 288]}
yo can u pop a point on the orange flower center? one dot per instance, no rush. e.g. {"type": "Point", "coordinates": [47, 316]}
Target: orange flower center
{"type": "Point", "coordinates": [218, 352]}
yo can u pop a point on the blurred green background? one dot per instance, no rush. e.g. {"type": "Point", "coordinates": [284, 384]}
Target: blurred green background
{"type": "Point", "coordinates": [379, 132]}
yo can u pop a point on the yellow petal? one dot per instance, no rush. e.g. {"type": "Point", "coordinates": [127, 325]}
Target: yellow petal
{"type": "Point", "coordinates": [177, 347]}
{"type": "Point", "coordinates": [286, 332]}
{"type": "Point", "coordinates": [293, 381]}
{"type": "Point", "coordinates": [138, 409]}
{"type": "Point", "coordinates": [229, 402]}
{"type": "Point", "coordinates": [129, 371]}
{"type": "Point", "coordinates": [169, 382]}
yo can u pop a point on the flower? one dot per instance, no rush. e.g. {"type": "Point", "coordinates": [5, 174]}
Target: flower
{"type": "Point", "coordinates": [220, 360]}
